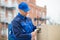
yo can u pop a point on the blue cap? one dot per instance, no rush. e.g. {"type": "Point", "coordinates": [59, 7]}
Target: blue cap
{"type": "Point", "coordinates": [24, 6]}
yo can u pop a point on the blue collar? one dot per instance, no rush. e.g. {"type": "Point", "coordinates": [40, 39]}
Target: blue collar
{"type": "Point", "coordinates": [21, 16]}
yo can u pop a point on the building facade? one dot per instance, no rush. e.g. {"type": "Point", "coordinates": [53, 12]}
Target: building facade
{"type": "Point", "coordinates": [7, 10]}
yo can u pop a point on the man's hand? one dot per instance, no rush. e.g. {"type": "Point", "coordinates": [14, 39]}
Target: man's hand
{"type": "Point", "coordinates": [34, 33]}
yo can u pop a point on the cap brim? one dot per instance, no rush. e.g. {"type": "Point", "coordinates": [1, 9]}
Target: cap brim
{"type": "Point", "coordinates": [26, 10]}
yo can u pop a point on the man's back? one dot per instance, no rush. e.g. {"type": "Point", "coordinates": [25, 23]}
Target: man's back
{"type": "Point", "coordinates": [22, 27]}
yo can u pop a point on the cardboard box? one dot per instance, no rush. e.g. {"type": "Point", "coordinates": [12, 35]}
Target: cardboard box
{"type": "Point", "coordinates": [49, 32]}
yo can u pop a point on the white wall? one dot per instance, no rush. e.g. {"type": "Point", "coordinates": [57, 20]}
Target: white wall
{"type": "Point", "coordinates": [53, 9]}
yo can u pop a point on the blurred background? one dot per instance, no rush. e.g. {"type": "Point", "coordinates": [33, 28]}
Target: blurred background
{"type": "Point", "coordinates": [42, 12]}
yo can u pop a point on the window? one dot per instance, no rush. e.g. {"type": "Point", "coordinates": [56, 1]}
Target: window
{"type": "Point", "coordinates": [2, 2]}
{"type": "Point", "coordinates": [27, 0]}
{"type": "Point", "coordinates": [32, 1]}
{"type": "Point", "coordinates": [2, 12]}
{"type": "Point", "coordinates": [9, 16]}
{"type": "Point", "coordinates": [4, 30]}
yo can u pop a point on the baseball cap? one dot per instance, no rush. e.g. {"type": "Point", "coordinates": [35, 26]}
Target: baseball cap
{"type": "Point", "coordinates": [24, 6]}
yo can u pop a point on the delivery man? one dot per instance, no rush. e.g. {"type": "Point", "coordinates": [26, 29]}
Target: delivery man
{"type": "Point", "coordinates": [22, 26]}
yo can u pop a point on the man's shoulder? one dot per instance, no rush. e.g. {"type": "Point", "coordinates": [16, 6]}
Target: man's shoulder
{"type": "Point", "coordinates": [17, 19]}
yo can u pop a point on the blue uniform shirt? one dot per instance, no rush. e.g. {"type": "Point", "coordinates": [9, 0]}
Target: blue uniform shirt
{"type": "Point", "coordinates": [22, 27]}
